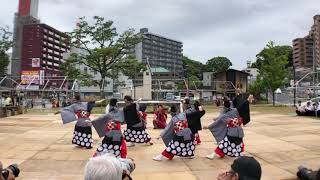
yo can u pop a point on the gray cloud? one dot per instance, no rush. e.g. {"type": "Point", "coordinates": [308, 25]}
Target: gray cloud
{"type": "Point", "coordinates": [232, 28]}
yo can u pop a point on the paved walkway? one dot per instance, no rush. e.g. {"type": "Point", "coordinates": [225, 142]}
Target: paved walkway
{"type": "Point", "coordinates": [42, 146]}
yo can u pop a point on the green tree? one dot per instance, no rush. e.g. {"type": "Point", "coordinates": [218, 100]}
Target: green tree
{"type": "Point", "coordinates": [129, 67]}
{"type": "Point", "coordinates": [5, 45]}
{"type": "Point", "coordinates": [192, 67]}
{"type": "Point", "coordinates": [273, 68]}
{"type": "Point", "coordinates": [70, 69]}
{"type": "Point", "coordinates": [193, 81]}
{"type": "Point", "coordinates": [257, 87]}
{"type": "Point", "coordinates": [218, 64]}
{"type": "Point", "coordinates": [102, 46]}
{"type": "Point", "coordinates": [279, 50]}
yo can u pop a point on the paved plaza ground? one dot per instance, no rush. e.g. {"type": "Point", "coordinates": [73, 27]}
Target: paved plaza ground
{"type": "Point", "coordinates": [42, 147]}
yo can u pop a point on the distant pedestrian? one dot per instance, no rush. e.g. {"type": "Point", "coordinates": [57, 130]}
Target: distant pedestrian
{"type": "Point", "coordinates": [43, 103]}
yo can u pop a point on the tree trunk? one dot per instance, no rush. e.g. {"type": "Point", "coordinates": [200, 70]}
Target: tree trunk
{"type": "Point", "coordinates": [273, 98]}
{"type": "Point", "coordinates": [267, 96]}
{"type": "Point", "coordinates": [101, 86]}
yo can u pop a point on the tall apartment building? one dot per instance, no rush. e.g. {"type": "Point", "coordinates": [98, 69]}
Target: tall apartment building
{"type": "Point", "coordinates": [37, 48]}
{"type": "Point", "coordinates": [27, 14]}
{"type": "Point", "coordinates": [315, 33]}
{"type": "Point", "coordinates": [303, 52]}
{"type": "Point", "coordinates": [160, 52]}
{"type": "Point", "coordinates": [43, 48]}
{"type": "Point", "coordinates": [306, 51]}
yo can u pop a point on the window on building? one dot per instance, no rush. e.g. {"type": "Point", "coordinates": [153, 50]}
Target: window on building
{"type": "Point", "coordinates": [85, 69]}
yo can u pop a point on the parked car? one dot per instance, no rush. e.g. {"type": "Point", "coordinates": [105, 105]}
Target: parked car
{"type": "Point", "coordinates": [170, 97]}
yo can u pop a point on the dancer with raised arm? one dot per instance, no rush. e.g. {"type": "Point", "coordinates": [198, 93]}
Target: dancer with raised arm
{"type": "Point", "coordinates": [109, 127]}
{"type": "Point", "coordinates": [80, 112]}
{"type": "Point", "coordinates": [135, 132]}
{"type": "Point", "coordinates": [178, 139]}
{"type": "Point", "coordinates": [227, 129]}
{"type": "Point", "coordinates": [194, 116]}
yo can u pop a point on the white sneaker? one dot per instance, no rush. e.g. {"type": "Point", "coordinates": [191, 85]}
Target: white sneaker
{"type": "Point", "coordinates": [130, 144]}
{"type": "Point", "coordinates": [211, 156]}
{"type": "Point", "coordinates": [158, 158]}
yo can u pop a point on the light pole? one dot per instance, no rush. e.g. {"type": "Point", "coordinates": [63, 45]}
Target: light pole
{"type": "Point", "coordinates": [294, 85]}
{"type": "Point", "coordinates": [134, 84]}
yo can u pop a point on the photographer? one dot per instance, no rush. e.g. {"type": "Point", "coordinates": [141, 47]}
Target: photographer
{"type": "Point", "coordinates": [9, 173]}
{"type": "Point", "coordinates": [308, 174]}
{"type": "Point", "coordinates": [108, 167]}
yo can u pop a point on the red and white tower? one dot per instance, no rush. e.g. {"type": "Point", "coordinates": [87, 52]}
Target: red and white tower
{"type": "Point", "coordinates": [28, 8]}
{"type": "Point", "coordinates": [27, 14]}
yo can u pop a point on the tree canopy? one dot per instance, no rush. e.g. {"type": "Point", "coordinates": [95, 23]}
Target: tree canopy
{"type": "Point", "coordinates": [279, 50]}
{"type": "Point", "coordinates": [273, 67]}
{"type": "Point", "coordinates": [218, 64]}
{"type": "Point", "coordinates": [192, 67]}
{"type": "Point", "coordinates": [101, 46]}
{"type": "Point", "coordinates": [5, 45]}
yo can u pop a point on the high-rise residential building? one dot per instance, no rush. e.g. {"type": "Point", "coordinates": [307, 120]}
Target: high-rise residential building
{"type": "Point", "coordinates": [303, 53]}
{"type": "Point", "coordinates": [42, 48]}
{"type": "Point", "coordinates": [159, 51]}
{"type": "Point", "coordinates": [37, 50]}
{"type": "Point", "coordinates": [306, 51]}
{"type": "Point", "coordinates": [27, 14]}
{"type": "Point", "coordinates": [315, 33]}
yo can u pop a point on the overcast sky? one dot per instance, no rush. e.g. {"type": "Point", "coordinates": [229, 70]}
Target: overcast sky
{"type": "Point", "coordinates": [237, 29]}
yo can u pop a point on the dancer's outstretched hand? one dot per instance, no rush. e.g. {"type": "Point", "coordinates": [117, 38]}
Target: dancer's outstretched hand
{"type": "Point", "coordinates": [101, 101]}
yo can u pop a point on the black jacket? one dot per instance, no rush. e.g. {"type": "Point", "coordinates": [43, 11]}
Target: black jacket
{"type": "Point", "coordinates": [194, 119]}
{"type": "Point", "coordinates": [131, 115]}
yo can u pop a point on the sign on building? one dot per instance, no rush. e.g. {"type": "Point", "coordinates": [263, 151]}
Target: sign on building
{"type": "Point", "coordinates": [35, 62]}
{"type": "Point", "coordinates": [28, 77]}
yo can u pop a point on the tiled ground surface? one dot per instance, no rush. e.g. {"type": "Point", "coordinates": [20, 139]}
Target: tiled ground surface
{"type": "Point", "coordinates": [42, 146]}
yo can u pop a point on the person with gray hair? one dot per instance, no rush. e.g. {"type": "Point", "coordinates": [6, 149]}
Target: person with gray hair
{"type": "Point", "coordinates": [108, 167]}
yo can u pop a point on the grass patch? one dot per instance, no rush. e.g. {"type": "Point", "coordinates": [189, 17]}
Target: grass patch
{"type": "Point", "coordinates": [269, 109]}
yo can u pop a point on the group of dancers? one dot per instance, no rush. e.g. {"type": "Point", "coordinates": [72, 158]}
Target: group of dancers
{"type": "Point", "coordinates": [180, 135]}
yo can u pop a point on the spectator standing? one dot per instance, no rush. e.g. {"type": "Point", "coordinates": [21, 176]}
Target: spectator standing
{"type": "Point", "coordinates": [43, 103]}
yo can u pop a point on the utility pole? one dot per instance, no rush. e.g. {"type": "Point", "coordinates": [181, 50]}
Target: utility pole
{"type": "Point", "coordinates": [134, 84]}
{"type": "Point", "coordinates": [294, 85]}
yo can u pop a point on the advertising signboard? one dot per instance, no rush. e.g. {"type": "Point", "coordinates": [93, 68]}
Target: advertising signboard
{"type": "Point", "coordinates": [30, 76]}
{"type": "Point", "coordinates": [35, 62]}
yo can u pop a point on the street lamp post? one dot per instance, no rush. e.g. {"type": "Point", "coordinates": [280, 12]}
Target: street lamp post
{"type": "Point", "coordinates": [294, 85]}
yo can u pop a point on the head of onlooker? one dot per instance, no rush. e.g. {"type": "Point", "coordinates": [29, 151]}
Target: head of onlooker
{"type": "Point", "coordinates": [108, 167]}
{"type": "Point", "coordinates": [299, 103]}
{"type": "Point", "coordinates": [173, 110]}
{"type": "Point", "coordinates": [226, 103]}
{"type": "Point", "coordinates": [196, 105]}
{"type": "Point", "coordinates": [128, 100]}
{"type": "Point", "coordinates": [113, 102]}
{"type": "Point", "coordinates": [243, 168]}
{"type": "Point", "coordinates": [143, 107]}
{"type": "Point", "coordinates": [309, 103]}
{"type": "Point", "coordinates": [186, 104]}
{"type": "Point", "coordinates": [77, 97]}
{"type": "Point", "coordinates": [160, 108]}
